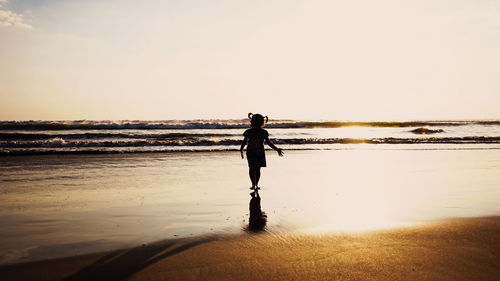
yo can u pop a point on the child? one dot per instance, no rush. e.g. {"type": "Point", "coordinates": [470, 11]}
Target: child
{"type": "Point", "coordinates": [255, 150]}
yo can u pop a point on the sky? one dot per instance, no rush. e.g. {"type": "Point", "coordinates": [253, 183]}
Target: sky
{"type": "Point", "coordinates": [289, 59]}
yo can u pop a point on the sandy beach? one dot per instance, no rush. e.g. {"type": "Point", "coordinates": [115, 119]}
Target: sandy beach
{"type": "Point", "coordinates": [331, 215]}
{"type": "Point", "coordinates": [457, 249]}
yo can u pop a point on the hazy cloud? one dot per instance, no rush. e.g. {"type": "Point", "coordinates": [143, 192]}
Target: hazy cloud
{"type": "Point", "coordinates": [9, 18]}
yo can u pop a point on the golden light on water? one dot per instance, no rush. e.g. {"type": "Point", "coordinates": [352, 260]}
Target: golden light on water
{"type": "Point", "coordinates": [354, 189]}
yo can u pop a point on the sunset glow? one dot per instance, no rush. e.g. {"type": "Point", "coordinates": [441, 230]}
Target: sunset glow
{"type": "Point", "coordinates": [335, 60]}
{"type": "Point", "coordinates": [249, 140]}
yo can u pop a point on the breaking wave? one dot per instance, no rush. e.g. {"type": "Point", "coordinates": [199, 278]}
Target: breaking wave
{"type": "Point", "coordinates": [76, 136]}
{"type": "Point", "coordinates": [218, 145]}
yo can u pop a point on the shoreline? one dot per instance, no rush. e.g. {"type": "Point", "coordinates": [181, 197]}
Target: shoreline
{"type": "Point", "coordinates": [489, 145]}
{"type": "Point", "coordinates": [453, 249]}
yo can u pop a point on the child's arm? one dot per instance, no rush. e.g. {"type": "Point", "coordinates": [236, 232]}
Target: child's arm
{"type": "Point", "coordinates": [271, 144]}
{"type": "Point", "coordinates": [243, 143]}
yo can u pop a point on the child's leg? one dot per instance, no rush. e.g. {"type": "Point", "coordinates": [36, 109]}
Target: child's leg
{"type": "Point", "coordinates": [251, 173]}
{"type": "Point", "coordinates": [257, 175]}
{"type": "Point", "coordinates": [254, 174]}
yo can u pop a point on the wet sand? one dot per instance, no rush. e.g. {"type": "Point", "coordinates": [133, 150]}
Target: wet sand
{"type": "Point", "coordinates": [457, 249]}
{"type": "Point", "coordinates": [53, 206]}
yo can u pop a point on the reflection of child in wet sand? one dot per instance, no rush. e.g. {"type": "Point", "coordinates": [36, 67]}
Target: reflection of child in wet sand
{"type": "Point", "coordinates": [255, 136]}
{"type": "Point", "coordinates": [258, 219]}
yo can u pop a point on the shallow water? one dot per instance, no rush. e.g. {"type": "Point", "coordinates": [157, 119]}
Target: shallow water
{"type": "Point", "coordinates": [59, 205]}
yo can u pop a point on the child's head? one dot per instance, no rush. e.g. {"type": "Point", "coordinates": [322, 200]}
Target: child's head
{"type": "Point", "coordinates": [257, 120]}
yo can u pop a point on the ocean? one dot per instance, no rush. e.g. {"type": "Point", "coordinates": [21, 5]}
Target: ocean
{"type": "Point", "coordinates": [91, 137]}
{"type": "Point", "coordinates": [76, 187]}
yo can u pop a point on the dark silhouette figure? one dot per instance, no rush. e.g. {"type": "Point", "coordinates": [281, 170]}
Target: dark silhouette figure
{"type": "Point", "coordinates": [258, 219]}
{"type": "Point", "coordinates": [256, 156]}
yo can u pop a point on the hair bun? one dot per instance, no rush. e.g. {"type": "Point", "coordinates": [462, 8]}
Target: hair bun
{"type": "Point", "coordinates": [250, 115]}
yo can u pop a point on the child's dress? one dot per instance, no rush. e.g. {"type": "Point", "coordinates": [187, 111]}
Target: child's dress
{"type": "Point", "coordinates": [255, 150]}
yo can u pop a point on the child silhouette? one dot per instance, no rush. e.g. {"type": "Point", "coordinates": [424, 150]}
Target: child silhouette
{"type": "Point", "coordinates": [255, 136]}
